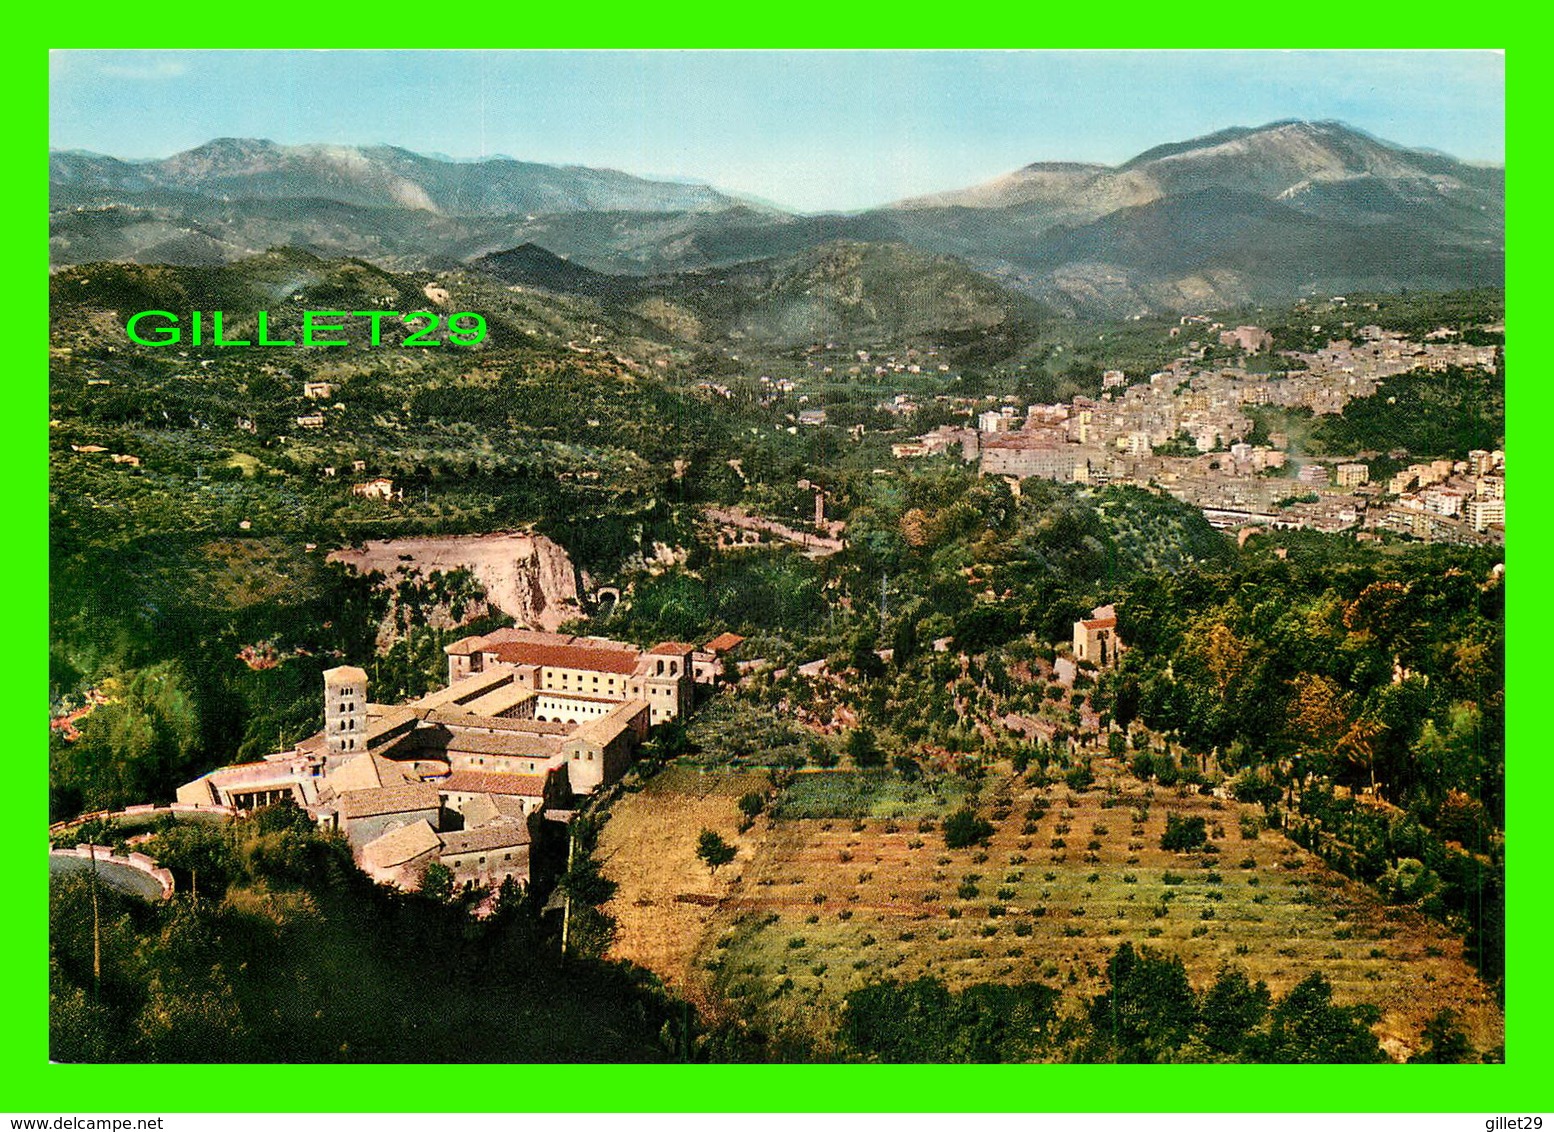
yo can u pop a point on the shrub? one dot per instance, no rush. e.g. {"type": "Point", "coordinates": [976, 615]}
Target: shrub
{"type": "Point", "coordinates": [964, 828]}
{"type": "Point", "coordinates": [1184, 834]}
{"type": "Point", "coordinates": [1080, 778]}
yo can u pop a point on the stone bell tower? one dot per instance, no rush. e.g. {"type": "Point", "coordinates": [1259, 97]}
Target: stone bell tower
{"type": "Point", "coordinates": [345, 711]}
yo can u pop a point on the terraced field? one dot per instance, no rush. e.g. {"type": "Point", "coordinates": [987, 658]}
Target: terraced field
{"type": "Point", "coordinates": [815, 907]}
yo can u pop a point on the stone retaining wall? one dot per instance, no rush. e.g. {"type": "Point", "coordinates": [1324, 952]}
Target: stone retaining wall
{"type": "Point", "coordinates": [147, 810]}
{"type": "Point", "coordinates": [137, 861]}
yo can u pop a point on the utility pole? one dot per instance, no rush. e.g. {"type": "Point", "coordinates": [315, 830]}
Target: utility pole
{"type": "Point", "coordinates": [566, 909]}
{"type": "Point", "coordinates": [97, 937]}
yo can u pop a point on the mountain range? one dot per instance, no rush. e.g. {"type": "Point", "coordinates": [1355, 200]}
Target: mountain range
{"type": "Point", "coordinates": [1263, 214]}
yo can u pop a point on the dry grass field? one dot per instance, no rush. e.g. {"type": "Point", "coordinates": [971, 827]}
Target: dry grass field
{"type": "Point", "coordinates": [666, 898]}
{"type": "Point", "coordinates": [815, 907]}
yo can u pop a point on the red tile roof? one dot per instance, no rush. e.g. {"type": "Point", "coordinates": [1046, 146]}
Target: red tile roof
{"type": "Point", "coordinates": [493, 782]}
{"type": "Point", "coordinates": [623, 662]}
{"type": "Point", "coordinates": [389, 800]}
{"type": "Point", "coordinates": [725, 642]}
{"type": "Point", "coordinates": [497, 835]}
{"type": "Point", "coordinates": [671, 648]}
{"type": "Point", "coordinates": [464, 646]}
{"type": "Point", "coordinates": [454, 720]}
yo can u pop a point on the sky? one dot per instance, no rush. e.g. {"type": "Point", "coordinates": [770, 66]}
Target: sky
{"type": "Point", "coordinates": [813, 131]}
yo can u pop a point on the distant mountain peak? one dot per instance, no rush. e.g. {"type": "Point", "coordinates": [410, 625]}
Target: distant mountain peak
{"type": "Point", "coordinates": [386, 176]}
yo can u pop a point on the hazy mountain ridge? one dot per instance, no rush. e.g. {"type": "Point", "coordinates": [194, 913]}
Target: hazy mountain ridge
{"type": "Point", "coordinates": [244, 168]}
{"type": "Point", "coordinates": [846, 289]}
{"type": "Point", "coordinates": [1244, 214]}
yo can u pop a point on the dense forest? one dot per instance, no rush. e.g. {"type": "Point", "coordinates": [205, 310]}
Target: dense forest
{"type": "Point", "coordinates": [350, 971]}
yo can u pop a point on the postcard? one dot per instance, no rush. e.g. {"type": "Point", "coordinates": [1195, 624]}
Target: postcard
{"type": "Point", "coordinates": [777, 557]}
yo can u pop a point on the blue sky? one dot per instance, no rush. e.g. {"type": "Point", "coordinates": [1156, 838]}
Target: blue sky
{"type": "Point", "coordinates": [808, 130]}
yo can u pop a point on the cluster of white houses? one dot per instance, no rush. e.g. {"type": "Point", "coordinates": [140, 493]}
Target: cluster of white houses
{"type": "Point", "coordinates": [528, 720]}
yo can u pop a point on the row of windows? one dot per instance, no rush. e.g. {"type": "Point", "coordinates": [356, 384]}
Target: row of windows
{"type": "Point", "coordinates": [457, 862]}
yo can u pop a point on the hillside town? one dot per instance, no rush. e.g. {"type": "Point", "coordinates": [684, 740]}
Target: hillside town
{"type": "Point", "coordinates": [1184, 431]}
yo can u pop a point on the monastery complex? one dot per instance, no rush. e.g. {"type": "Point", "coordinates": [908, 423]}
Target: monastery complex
{"type": "Point", "coordinates": [528, 721]}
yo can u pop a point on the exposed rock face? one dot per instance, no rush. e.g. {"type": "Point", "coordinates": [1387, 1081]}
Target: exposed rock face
{"type": "Point", "coordinates": [526, 576]}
